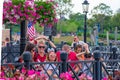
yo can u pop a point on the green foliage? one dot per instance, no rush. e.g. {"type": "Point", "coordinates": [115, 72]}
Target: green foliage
{"type": "Point", "coordinates": [102, 9]}
{"type": "Point", "coordinates": [116, 20]}
{"type": "Point", "coordinates": [63, 7]}
{"type": "Point", "coordinates": [38, 28]}
{"type": "Point", "coordinates": [101, 14]}
{"type": "Point", "coordinates": [111, 36]}
{"type": "Point", "coordinates": [67, 26]}
{"type": "Point", "coordinates": [17, 2]}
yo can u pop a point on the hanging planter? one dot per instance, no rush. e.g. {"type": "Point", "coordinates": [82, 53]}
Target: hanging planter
{"type": "Point", "coordinates": [14, 11]}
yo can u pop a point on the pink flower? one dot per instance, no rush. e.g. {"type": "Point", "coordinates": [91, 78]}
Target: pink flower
{"type": "Point", "coordinates": [24, 70]}
{"type": "Point", "coordinates": [41, 7]}
{"type": "Point", "coordinates": [55, 20]}
{"type": "Point", "coordinates": [66, 76]}
{"type": "Point", "coordinates": [31, 72]}
{"type": "Point", "coordinates": [2, 74]}
{"type": "Point", "coordinates": [105, 78]}
{"type": "Point", "coordinates": [37, 73]}
{"type": "Point", "coordinates": [43, 77]}
{"type": "Point", "coordinates": [2, 79]}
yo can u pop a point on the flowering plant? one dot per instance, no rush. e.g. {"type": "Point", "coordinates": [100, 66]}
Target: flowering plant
{"type": "Point", "coordinates": [66, 76]}
{"type": "Point", "coordinates": [24, 74]}
{"type": "Point", "coordinates": [15, 11]}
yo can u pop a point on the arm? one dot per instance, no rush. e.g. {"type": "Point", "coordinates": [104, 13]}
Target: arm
{"type": "Point", "coordinates": [80, 53]}
{"type": "Point", "coordinates": [50, 42]}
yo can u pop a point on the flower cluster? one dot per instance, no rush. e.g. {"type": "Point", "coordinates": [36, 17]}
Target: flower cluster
{"type": "Point", "coordinates": [66, 76]}
{"type": "Point", "coordinates": [24, 74]}
{"type": "Point", "coordinates": [37, 11]}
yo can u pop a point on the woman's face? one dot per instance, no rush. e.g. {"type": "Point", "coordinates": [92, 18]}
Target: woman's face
{"type": "Point", "coordinates": [41, 48]}
{"type": "Point", "coordinates": [52, 56]}
{"type": "Point", "coordinates": [32, 51]}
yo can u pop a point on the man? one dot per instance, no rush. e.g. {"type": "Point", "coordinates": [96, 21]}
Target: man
{"type": "Point", "coordinates": [71, 57]}
{"type": "Point", "coordinates": [71, 54]}
{"type": "Point", "coordinates": [77, 41]}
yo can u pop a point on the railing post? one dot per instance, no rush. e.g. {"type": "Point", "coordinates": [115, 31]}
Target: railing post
{"type": "Point", "coordinates": [63, 56]}
{"type": "Point", "coordinates": [114, 49]}
{"type": "Point", "coordinates": [97, 68]}
{"type": "Point", "coordinates": [27, 58]}
{"type": "Point", "coordinates": [23, 39]}
{"type": "Point", "coordinates": [110, 47]}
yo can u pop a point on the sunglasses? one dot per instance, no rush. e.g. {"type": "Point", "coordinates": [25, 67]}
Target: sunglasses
{"type": "Point", "coordinates": [41, 46]}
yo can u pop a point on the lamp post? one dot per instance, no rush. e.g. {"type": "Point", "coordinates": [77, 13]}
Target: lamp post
{"type": "Point", "coordinates": [85, 6]}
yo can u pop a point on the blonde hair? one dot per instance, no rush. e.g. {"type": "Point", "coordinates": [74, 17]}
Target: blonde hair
{"type": "Point", "coordinates": [41, 41]}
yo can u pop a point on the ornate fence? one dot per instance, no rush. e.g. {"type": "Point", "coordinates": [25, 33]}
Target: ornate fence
{"type": "Point", "coordinates": [106, 62]}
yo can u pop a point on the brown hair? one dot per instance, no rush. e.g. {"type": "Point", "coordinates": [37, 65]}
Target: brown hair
{"type": "Point", "coordinates": [29, 46]}
{"type": "Point", "coordinates": [78, 46]}
{"type": "Point", "coordinates": [47, 57]}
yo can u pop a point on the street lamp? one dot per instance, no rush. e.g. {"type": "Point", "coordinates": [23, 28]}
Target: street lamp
{"type": "Point", "coordinates": [85, 6]}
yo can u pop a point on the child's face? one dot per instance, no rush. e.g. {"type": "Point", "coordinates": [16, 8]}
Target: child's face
{"type": "Point", "coordinates": [52, 56]}
{"type": "Point", "coordinates": [79, 50]}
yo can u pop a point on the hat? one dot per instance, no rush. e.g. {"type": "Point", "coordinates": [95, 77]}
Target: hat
{"type": "Point", "coordinates": [50, 50]}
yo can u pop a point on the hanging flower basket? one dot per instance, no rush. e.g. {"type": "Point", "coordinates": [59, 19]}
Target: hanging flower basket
{"type": "Point", "coordinates": [14, 11]}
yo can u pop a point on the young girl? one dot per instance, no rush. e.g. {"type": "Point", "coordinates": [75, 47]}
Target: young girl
{"type": "Point", "coordinates": [51, 68]}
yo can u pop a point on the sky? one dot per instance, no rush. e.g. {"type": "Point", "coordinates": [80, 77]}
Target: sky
{"type": "Point", "coordinates": [114, 4]}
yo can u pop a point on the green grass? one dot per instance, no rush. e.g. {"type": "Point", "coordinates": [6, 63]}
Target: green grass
{"type": "Point", "coordinates": [68, 39]}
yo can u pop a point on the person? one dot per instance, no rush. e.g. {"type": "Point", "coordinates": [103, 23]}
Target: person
{"type": "Point", "coordinates": [79, 52]}
{"type": "Point", "coordinates": [87, 66]}
{"type": "Point", "coordinates": [40, 56]}
{"type": "Point", "coordinates": [51, 68]}
{"type": "Point", "coordinates": [77, 41]}
{"type": "Point", "coordinates": [71, 54]}
{"type": "Point", "coordinates": [44, 38]}
{"type": "Point", "coordinates": [29, 47]}
{"type": "Point", "coordinates": [3, 43]}
{"type": "Point", "coordinates": [42, 48]}
{"type": "Point", "coordinates": [71, 57]}
{"type": "Point", "coordinates": [7, 40]}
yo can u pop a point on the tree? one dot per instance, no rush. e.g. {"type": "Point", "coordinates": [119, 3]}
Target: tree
{"type": "Point", "coordinates": [101, 14]}
{"type": "Point", "coordinates": [102, 9]}
{"type": "Point", "coordinates": [63, 7]}
{"type": "Point", "coordinates": [75, 22]}
{"type": "Point", "coordinates": [116, 20]}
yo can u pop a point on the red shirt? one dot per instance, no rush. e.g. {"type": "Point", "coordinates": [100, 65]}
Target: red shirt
{"type": "Point", "coordinates": [58, 56]}
{"type": "Point", "coordinates": [38, 58]}
{"type": "Point", "coordinates": [71, 57]}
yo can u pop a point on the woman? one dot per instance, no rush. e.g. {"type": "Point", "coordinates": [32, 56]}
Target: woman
{"type": "Point", "coordinates": [79, 52]}
{"type": "Point", "coordinates": [80, 56]}
{"type": "Point", "coordinates": [29, 47]}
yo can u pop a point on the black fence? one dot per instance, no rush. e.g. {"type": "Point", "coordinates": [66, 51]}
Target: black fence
{"type": "Point", "coordinates": [105, 62]}
{"type": "Point", "coordinates": [96, 68]}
